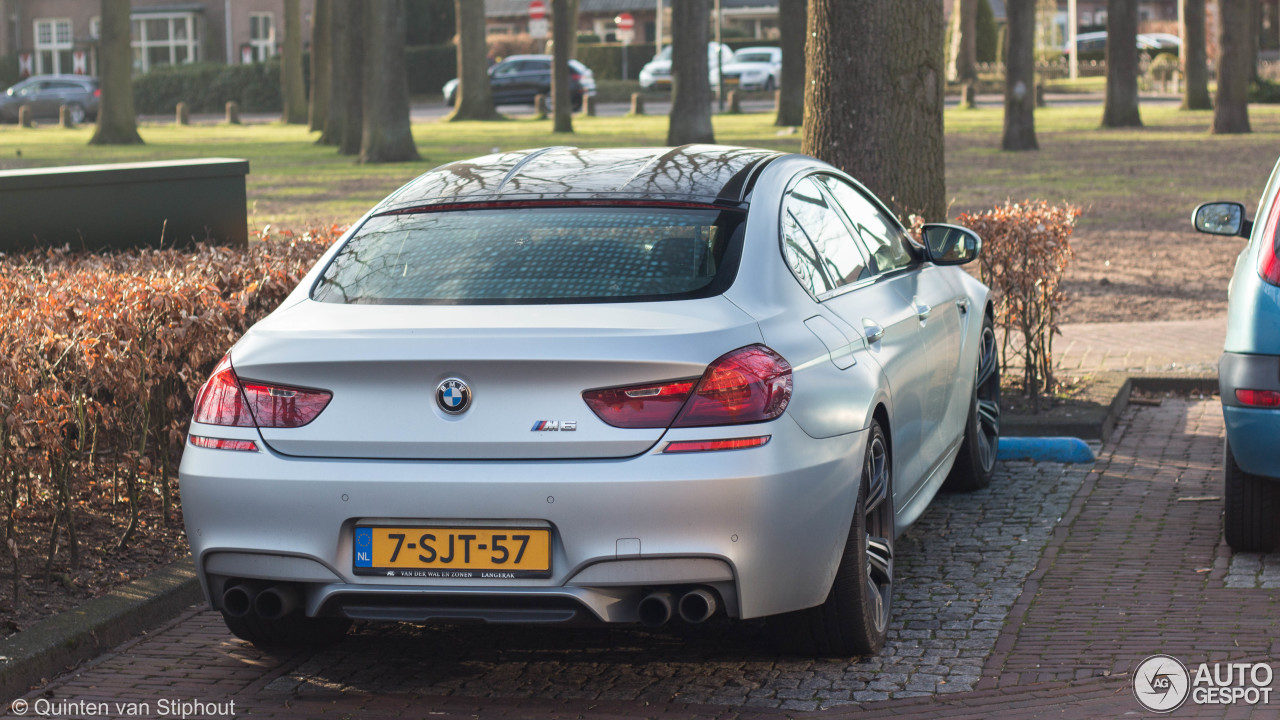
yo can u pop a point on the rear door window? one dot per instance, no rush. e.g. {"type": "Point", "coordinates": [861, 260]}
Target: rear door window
{"type": "Point", "coordinates": [883, 238]}
{"type": "Point", "coordinates": [834, 248]}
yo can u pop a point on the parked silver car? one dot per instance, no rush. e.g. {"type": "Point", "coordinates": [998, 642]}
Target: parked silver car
{"type": "Point", "coordinates": [608, 385]}
{"type": "Point", "coordinates": [46, 94]}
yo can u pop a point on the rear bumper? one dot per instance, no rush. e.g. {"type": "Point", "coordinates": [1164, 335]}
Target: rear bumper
{"type": "Point", "coordinates": [1252, 431]}
{"type": "Point", "coordinates": [764, 527]}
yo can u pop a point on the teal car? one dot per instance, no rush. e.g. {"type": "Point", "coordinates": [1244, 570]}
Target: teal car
{"type": "Point", "coordinates": [1249, 371]}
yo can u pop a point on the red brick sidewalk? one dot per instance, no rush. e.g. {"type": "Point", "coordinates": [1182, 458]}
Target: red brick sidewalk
{"type": "Point", "coordinates": [1172, 346]}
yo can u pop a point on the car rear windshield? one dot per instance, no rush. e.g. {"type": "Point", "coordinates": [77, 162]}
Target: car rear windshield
{"type": "Point", "coordinates": [532, 255]}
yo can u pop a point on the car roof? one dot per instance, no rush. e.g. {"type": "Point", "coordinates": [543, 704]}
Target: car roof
{"type": "Point", "coordinates": [689, 173]}
{"type": "Point", "coordinates": [763, 48]}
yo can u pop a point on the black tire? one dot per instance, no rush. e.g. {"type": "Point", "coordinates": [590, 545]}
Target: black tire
{"type": "Point", "coordinates": [1252, 503]}
{"type": "Point", "coordinates": [854, 619]}
{"type": "Point", "coordinates": [976, 461]}
{"type": "Point", "coordinates": [293, 631]}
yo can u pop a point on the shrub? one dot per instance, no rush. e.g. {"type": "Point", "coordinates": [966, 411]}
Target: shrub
{"type": "Point", "coordinates": [100, 360]}
{"type": "Point", "coordinates": [430, 67]}
{"type": "Point", "coordinates": [206, 87]}
{"type": "Point", "coordinates": [1025, 250]}
{"type": "Point", "coordinates": [987, 36]}
{"type": "Point", "coordinates": [605, 59]}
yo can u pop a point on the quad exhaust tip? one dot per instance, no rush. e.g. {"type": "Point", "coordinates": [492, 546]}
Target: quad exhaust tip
{"type": "Point", "coordinates": [275, 602]}
{"type": "Point", "coordinates": [237, 600]}
{"type": "Point", "coordinates": [697, 606]}
{"type": "Point", "coordinates": [655, 609]}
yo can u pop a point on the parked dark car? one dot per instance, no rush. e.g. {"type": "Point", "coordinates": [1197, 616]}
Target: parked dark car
{"type": "Point", "coordinates": [516, 80]}
{"type": "Point", "coordinates": [45, 94]}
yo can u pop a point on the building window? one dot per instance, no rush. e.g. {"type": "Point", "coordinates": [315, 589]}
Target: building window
{"type": "Point", "coordinates": [165, 39]}
{"type": "Point", "coordinates": [262, 36]}
{"type": "Point", "coordinates": [95, 27]}
{"type": "Point", "coordinates": [53, 46]}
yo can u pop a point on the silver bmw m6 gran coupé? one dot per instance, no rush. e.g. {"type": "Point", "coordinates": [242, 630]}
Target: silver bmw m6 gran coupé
{"type": "Point", "coordinates": [597, 385]}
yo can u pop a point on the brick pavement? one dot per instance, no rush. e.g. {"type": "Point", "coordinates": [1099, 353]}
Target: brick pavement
{"type": "Point", "coordinates": [1135, 567]}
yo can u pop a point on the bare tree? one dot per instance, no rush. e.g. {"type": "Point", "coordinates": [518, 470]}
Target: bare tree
{"type": "Point", "coordinates": [792, 18]}
{"type": "Point", "coordinates": [116, 122]}
{"type": "Point", "coordinates": [387, 135]}
{"type": "Point", "coordinates": [1019, 80]}
{"type": "Point", "coordinates": [291, 86]}
{"type": "Point", "coordinates": [1121, 106]}
{"type": "Point", "coordinates": [473, 99]}
{"type": "Point", "coordinates": [873, 97]}
{"type": "Point", "coordinates": [349, 14]}
{"type": "Point", "coordinates": [690, 119]}
{"type": "Point", "coordinates": [321, 65]}
{"type": "Point", "coordinates": [331, 133]}
{"type": "Point", "coordinates": [562, 111]}
{"type": "Point", "coordinates": [1195, 64]}
{"type": "Point", "coordinates": [962, 56]}
{"type": "Point", "coordinates": [1231, 111]}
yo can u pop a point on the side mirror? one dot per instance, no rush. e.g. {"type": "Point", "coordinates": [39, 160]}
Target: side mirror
{"type": "Point", "coordinates": [1222, 218]}
{"type": "Point", "coordinates": [950, 244]}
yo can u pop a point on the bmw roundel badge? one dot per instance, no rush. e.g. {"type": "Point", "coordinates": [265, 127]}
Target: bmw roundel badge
{"type": "Point", "coordinates": [453, 396]}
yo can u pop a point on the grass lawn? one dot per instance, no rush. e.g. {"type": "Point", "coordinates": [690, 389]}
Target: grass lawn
{"type": "Point", "coordinates": [1137, 186]}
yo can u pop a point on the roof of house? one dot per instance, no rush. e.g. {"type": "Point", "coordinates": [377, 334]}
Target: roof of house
{"type": "Point", "coordinates": [511, 8]}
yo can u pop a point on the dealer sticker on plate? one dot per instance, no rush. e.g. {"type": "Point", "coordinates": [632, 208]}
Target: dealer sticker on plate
{"type": "Point", "coordinates": [453, 552]}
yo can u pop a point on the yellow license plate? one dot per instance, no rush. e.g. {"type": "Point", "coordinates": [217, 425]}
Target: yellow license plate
{"type": "Point", "coordinates": [453, 552]}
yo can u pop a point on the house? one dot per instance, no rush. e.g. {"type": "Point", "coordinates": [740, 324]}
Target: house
{"type": "Point", "coordinates": [61, 36]}
{"type": "Point", "coordinates": [754, 18]}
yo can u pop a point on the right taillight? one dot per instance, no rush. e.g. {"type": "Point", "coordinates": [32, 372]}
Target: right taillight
{"type": "Point", "coordinates": [225, 400]}
{"type": "Point", "coordinates": [1268, 261]}
{"type": "Point", "coordinates": [750, 384]}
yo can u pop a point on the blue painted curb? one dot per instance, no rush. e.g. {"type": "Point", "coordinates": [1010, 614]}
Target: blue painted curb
{"type": "Point", "coordinates": [1045, 449]}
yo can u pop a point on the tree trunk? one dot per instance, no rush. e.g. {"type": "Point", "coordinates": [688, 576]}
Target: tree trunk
{"type": "Point", "coordinates": [962, 56]}
{"type": "Point", "coordinates": [473, 99]}
{"type": "Point", "coordinates": [116, 122]}
{"type": "Point", "coordinates": [573, 28]}
{"type": "Point", "coordinates": [873, 97]}
{"type": "Point", "coordinates": [792, 16]}
{"type": "Point", "coordinates": [1121, 108]}
{"type": "Point", "coordinates": [321, 65]}
{"type": "Point", "coordinates": [1195, 67]}
{"type": "Point", "coordinates": [690, 120]}
{"type": "Point", "coordinates": [353, 79]}
{"type": "Point", "coordinates": [291, 87]}
{"type": "Point", "coordinates": [1231, 111]}
{"type": "Point", "coordinates": [386, 135]}
{"type": "Point", "coordinates": [339, 61]}
{"type": "Point", "coordinates": [1255, 38]}
{"type": "Point", "coordinates": [562, 111]}
{"type": "Point", "coordinates": [1020, 77]}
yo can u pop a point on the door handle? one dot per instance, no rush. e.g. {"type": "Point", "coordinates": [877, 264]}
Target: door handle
{"type": "Point", "coordinates": [963, 304]}
{"type": "Point", "coordinates": [922, 310]}
{"type": "Point", "coordinates": [873, 330]}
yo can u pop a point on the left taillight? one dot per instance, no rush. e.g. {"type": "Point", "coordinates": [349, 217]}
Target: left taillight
{"type": "Point", "coordinates": [748, 385]}
{"type": "Point", "coordinates": [226, 400]}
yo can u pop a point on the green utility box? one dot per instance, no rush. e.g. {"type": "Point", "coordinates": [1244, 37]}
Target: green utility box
{"type": "Point", "coordinates": [109, 207]}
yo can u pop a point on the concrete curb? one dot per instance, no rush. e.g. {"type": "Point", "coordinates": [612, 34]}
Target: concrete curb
{"type": "Point", "coordinates": [47, 648]}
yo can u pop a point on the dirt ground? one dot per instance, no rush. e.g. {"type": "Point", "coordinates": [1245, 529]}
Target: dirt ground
{"type": "Point", "coordinates": [1137, 257]}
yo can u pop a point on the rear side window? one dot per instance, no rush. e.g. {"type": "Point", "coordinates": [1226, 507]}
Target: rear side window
{"type": "Point", "coordinates": [883, 239]}
{"type": "Point", "coordinates": [834, 249]}
{"type": "Point", "coordinates": [536, 255]}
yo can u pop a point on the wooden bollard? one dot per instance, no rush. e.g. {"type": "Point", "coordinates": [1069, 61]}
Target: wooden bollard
{"type": "Point", "coordinates": [64, 117]}
{"type": "Point", "coordinates": [233, 112]}
{"type": "Point", "coordinates": [184, 117]}
{"type": "Point", "coordinates": [540, 107]}
{"type": "Point", "coordinates": [637, 104]}
{"type": "Point", "coordinates": [777, 100]}
{"type": "Point", "coordinates": [24, 116]}
{"type": "Point", "coordinates": [969, 99]}
{"type": "Point", "coordinates": [588, 105]}
{"type": "Point", "coordinates": [734, 107]}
